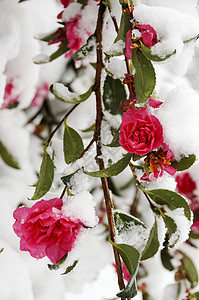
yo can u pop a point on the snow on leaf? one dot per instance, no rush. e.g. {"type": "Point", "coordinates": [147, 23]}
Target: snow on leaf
{"type": "Point", "coordinates": [63, 94]}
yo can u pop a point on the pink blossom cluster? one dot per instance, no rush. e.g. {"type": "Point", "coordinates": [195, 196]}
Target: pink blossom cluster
{"type": "Point", "coordinates": [44, 230]}
{"type": "Point", "coordinates": [72, 32]}
{"type": "Point", "coordinates": [142, 134]}
{"type": "Point", "coordinates": [148, 38]}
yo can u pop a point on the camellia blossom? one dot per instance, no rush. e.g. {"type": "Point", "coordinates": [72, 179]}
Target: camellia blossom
{"type": "Point", "coordinates": [148, 34]}
{"type": "Point", "coordinates": [65, 2]}
{"type": "Point", "coordinates": [185, 184]}
{"type": "Point", "coordinates": [45, 231]}
{"type": "Point", "coordinates": [148, 37]}
{"type": "Point", "coordinates": [10, 95]}
{"type": "Point", "coordinates": [40, 96]}
{"type": "Point", "coordinates": [157, 162]}
{"type": "Point", "coordinates": [140, 132]}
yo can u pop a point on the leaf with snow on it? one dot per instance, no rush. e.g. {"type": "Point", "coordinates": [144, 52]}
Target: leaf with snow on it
{"type": "Point", "coordinates": [116, 49]}
{"type": "Point", "coordinates": [171, 199]}
{"type": "Point", "coordinates": [130, 230]}
{"type": "Point", "coordinates": [63, 94]}
{"type": "Point", "coordinates": [43, 58]}
{"type": "Point", "coordinates": [86, 50]}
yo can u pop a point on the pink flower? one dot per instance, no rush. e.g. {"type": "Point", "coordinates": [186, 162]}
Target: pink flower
{"type": "Point", "coordinates": [45, 231]}
{"type": "Point", "coordinates": [40, 96]}
{"type": "Point", "coordinates": [10, 95]}
{"type": "Point", "coordinates": [73, 36]}
{"type": "Point", "coordinates": [195, 226]}
{"type": "Point", "coordinates": [65, 2]}
{"type": "Point", "coordinates": [148, 38]}
{"type": "Point", "coordinates": [185, 184]}
{"type": "Point", "coordinates": [154, 102]}
{"type": "Point", "coordinates": [148, 35]}
{"type": "Point", "coordinates": [140, 132]}
{"type": "Point", "coordinates": [128, 44]}
{"type": "Point", "coordinates": [157, 162]}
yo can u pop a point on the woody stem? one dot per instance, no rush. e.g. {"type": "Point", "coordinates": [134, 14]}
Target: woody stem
{"type": "Point", "coordinates": [97, 137]}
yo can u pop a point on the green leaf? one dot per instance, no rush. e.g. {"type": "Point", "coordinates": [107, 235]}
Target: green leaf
{"type": "Point", "coordinates": [166, 259]}
{"type": "Point", "coordinates": [114, 169]}
{"type": "Point", "coordinates": [184, 163]}
{"type": "Point", "coordinates": [191, 39]}
{"type": "Point", "coordinates": [89, 129]}
{"type": "Point", "coordinates": [62, 94]}
{"type": "Point", "coordinates": [113, 93]}
{"type": "Point", "coordinates": [152, 245]}
{"type": "Point", "coordinates": [46, 176]}
{"type": "Point", "coordinates": [130, 290]}
{"type": "Point", "coordinates": [147, 53]}
{"type": "Point", "coordinates": [190, 270]}
{"type": "Point", "coordinates": [125, 25]}
{"type": "Point", "coordinates": [172, 227]}
{"type": "Point", "coordinates": [196, 295]}
{"type": "Point", "coordinates": [73, 145]}
{"type": "Point", "coordinates": [82, 2]}
{"type": "Point", "coordinates": [144, 78]}
{"type": "Point", "coordinates": [58, 264]}
{"type": "Point", "coordinates": [129, 254]}
{"type": "Point", "coordinates": [115, 140]}
{"type": "Point", "coordinates": [171, 199]}
{"type": "Point", "coordinates": [70, 268]}
{"type": "Point", "coordinates": [49, 37]}
{"type": "Point", "coordinates": [66, 179]}
{"type": "Point", "coordinates": [7, 157]}
{"type": "Point", "coordinates": [63, 48]}
{"type": "Point", "coordinates": [86, 50]}
{"type": "Point", "coordinates": [130, 257]}
{"type": "Point", "coordinates": [123, 222]}
{"type": "Point", "coordinates": [194, 235]}
{"type": "Point", "coordinates": [1, 250]}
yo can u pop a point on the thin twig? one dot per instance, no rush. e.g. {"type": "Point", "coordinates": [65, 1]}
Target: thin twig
{"type": "Point", "coordinates": [140, 186]}
{"type": "Point", "coordinates": [63, 192]}
{"type": "Point", "coordinates": [97, 136]}
{"type": "Point", "coordinates": [87, 148]}
{"type": "Point", "coordinates": [60, 123]}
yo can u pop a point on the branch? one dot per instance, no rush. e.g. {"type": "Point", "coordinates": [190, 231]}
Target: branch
{"type": "Point", "coordinates": [97, 136]}
{"type": "Point", "coordinates": [59, 125]}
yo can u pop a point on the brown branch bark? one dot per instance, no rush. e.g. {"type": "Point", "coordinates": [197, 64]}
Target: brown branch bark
{"type": "Point", "coordinates": [97, 136]}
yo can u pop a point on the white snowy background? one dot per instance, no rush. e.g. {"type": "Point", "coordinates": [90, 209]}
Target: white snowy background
{"type": "Point", "coordinates": [21, 276]}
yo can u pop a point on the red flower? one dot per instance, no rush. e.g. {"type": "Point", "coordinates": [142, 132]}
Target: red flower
{"type": "Point", "coordinates": [148, 35]}
{"type": "Point", "coordinates": [140, 132]}
{"type": "Point", "coordinates": [185, 184]}
{"type": "Point", "coordinates": [158, 162]}
{"type": "Point", "coordinates": [45, 231]}
{"type": "Point", "coordinates": [65, 2]}
{"type": "Point", "coordinates": [148, 38]}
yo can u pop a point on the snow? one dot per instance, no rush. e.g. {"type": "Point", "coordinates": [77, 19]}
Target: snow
{"type": "Point", "coordinates": [135, 235]}
{"type": "Point", "coordinates": [183, 226]}
{"type": "Point", "coordinates": [180, 120]}
{"type": "Point", "coordinates": [23, 277]}
{"type": "Point", "coordinates": [81, 207]}
{"type": "Point", "coordinates": [169, 25]}
{"type": "Point", "coordinates": [63, 92]}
